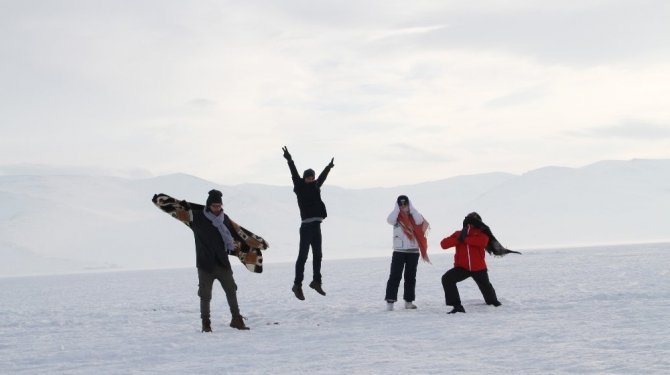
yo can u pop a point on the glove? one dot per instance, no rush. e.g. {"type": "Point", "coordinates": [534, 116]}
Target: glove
{"type": "Point", "coordinates": [331, 165]}
{"type": "Point", "coordinates": [464, 233]}
{"type": "Point", "coordinates": [287, 155]}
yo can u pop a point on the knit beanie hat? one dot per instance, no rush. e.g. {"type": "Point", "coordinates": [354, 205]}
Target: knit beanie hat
{"type": "Point", "coordinates": [308, 173]}
{"type": "Point", "coordinates": [214, 197]}
{"type": "Point", "coordinates": [402, 199]}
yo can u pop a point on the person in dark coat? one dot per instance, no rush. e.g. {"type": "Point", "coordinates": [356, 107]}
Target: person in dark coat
{"type": "Point", "coordinates": [213, 245]}
{"type": "Point", "coordinates": [312, 212]}
{"type": "Point", "coordinates": [470, 243]}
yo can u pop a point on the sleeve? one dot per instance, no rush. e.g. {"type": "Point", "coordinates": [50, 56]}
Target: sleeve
{"type": "Point", "coordinates": [295, 176]}
{"type": "Point", "coordinates": [323, 176]}
{"type": "Point", "coordinates": [450, 241]}
{"type": "Point", "coordinates": [393, 216]}
{"type": "Point", "coordinates": [418, 218]}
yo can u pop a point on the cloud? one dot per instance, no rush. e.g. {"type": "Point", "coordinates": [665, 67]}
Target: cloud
{"type": "Point", "coordinates": [586, 34]}
{"type": "Point", "coordinates": [629, 129]}
{"type": "Point", "coordinates": [517, 98]}
{"type": "Point", "coordinates": [408, 153]}
{"type": "Point", "coordinates": [51, 170]}
{"type": "Point", "coordinates": [406, 31]}
{"type": "Point", "coordinates": [202, 103]}
{"type": "Point", "coordinates": [215, 89]}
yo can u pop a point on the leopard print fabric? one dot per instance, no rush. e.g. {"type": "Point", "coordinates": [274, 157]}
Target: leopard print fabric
{"type": "Point", "coordinates": [248, 246]}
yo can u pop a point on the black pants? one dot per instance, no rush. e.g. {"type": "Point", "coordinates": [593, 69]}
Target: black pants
{"type": "Point", "coordinates": [205, 282]}
{"type": "Point", "coordinates": [409, 262]}
{"type": "Point", "coordinates": [310, 235]}
{"type": "Point", "coordinates": [456, 275]}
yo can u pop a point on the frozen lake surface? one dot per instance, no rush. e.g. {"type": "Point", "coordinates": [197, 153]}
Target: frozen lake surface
{"type": "Point", "coordinates": [589, 310]}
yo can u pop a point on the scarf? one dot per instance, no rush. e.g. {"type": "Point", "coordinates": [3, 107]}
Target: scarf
{"type": "Point", "coordinates": [218, 222]}
{"type": "Point", "coordinates": [493, 247]}
{"type": "Point", "coordinates": [414, 231]}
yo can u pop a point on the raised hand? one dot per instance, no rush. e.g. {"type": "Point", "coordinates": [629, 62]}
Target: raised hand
{"type": "Point", "coordinates": [287, 155]}
{"type": "Point", "coordinates": [331, 165]}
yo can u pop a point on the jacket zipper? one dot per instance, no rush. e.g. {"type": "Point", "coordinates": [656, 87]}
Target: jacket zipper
{"type": "Point", "coordinates": [467, 247]}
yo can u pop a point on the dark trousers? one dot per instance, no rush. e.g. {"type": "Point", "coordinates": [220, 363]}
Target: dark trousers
{"type": "Point", "coordinates": [456, 275]}
{"type": "Point", "coordinates": [310, 235]}
{"type": "Point", "coordinates": [205, 282]}
{"type": "Point", "coordinates": [409, 262]}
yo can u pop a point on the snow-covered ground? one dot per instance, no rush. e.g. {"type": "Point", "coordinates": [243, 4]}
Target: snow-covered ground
{"type": "Point", "coordinates": [587, 310]}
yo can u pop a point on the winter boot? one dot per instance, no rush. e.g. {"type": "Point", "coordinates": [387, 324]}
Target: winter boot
{"type": "Point", "coordinates": [206, 325]}
{"type": "Point", "coordinates": [238, 323]}
{"type": "Point", "coordinates": [457, 309]}
{"type": "Point", "coordinates": [496, 303]}
{"type": "Point", "coordinates": [410, 305]}
{"type": "Point", "coordinates": [317, 286]}
{"type": "Point", "coordinates": [389, 306]}
{"type": "Point", "coordinates": [297, 290]}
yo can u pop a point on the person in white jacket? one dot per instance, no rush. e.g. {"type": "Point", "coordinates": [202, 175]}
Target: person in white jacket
{"type": "Point", "coordinates": [409, 241]}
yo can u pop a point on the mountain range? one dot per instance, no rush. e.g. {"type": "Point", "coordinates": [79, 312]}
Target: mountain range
{"type": "Point", "coordinates": [61, 222]}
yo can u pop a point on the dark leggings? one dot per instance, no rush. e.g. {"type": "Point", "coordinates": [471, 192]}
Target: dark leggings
{"type": "Point", "coordinates": [456, 275]}
{"type": "Point", "coordinates": [310, 235]}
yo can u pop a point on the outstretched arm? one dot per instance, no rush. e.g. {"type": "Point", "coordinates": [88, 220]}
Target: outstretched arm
{"type": "Point", "coordinates": [291, 166]}
{"type": "Point", "coordinates": [180, 210]}
{"type": "Point", "coordinates": [324, 174]}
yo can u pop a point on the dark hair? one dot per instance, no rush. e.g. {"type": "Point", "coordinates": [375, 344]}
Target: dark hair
{"type": "Point", "coordinates": [308, 173]}
{"type": "Point", "coordinates": [473, 219]}
{"type": "Point", "coordinates": [402, 199]}
{"type": "Point", "coordinates": [474, 215]}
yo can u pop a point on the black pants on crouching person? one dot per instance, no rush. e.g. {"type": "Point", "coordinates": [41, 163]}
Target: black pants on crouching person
{"type": "Point", "coordinates": [408, 262]}
{"type": "Point", "coordinates": [205, 282]}
{"type": "Point", "coordinates": [456, 275]}
{"type": "Point", "coordinates": [310, 235]}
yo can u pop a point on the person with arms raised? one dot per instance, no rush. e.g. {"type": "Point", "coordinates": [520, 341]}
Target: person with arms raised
{"type": "Point", "coordinates": [312, 212]}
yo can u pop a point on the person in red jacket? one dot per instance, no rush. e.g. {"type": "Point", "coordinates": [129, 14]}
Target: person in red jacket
{"type": "Point", "coordinates": [470, 244]}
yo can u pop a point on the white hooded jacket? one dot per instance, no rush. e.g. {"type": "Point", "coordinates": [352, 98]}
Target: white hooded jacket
{"type": "Point", "coordinates": [400, 240]}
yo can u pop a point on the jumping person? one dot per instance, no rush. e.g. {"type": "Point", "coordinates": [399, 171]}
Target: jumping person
{"type": "Point", "coordinates": [312, 212]}
{"type": "Point", "coordinates": [471, 244]}
{"type": "Point", "coordinates": [409, 240]}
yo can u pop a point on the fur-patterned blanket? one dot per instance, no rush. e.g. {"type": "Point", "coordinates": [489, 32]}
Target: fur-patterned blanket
{"type": "Point", "coordinates": [248, 246]}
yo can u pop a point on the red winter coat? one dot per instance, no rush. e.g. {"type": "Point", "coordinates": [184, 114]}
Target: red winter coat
{"type": "Point", "coordinates": [470, 253]}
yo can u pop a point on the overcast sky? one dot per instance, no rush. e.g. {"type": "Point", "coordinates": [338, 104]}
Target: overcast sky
{"type": "Point", "coordinates": [398, 92]}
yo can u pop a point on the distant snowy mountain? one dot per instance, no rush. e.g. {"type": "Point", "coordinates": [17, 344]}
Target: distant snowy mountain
{"type": "Point", "coordinates": [52, 223]}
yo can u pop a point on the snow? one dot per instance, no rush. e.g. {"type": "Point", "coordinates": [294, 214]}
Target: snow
{"type": "Point", "coordinates": [574, 310]}
{"type": "Point", "coordinates": [565, 310]}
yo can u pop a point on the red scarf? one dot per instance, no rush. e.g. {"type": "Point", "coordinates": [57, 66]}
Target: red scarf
{"type": "Point", "coordinates": [415, 231]}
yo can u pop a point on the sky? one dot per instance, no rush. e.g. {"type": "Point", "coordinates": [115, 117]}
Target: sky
{"type": "Point", "coordinates": [397, 92]}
